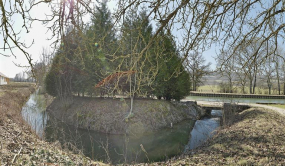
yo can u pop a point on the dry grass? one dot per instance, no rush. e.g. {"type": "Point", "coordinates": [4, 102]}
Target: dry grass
{"type": "Point", "coordinates": [1, 93]}
{"type": "Point", "coordinates": [257, 138]}
{"type": "Point", "coordinates": [20, 146]}
{"type": "Point", "coordinates": [98, 114]}
{"type": "Point", "coordinates": [278, 105]}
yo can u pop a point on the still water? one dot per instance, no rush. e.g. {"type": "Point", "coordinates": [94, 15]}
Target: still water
{"type": "Point", "coordinates": [33, 112]}
{"type": "Point", "coordinates": [203, 129]}
{"type": "Point", "coordinates": [156, 146]}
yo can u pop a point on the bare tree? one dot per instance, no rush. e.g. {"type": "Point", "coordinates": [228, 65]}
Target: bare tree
{"type": "Point", "coordinates": [226, 67]}
{"type": "Point", "coordinates": [242, 79]}
{"type": "Point", "coordinates": [62, 14]}
{"type": "Point", "coordinates": [283, 76]}
{"type": "Point", "coordinates": [198, 23]}
{"type": "Point", "coordinates": [278, 62]}
{"type": "Point", "coordinates": [42, 66]}
{"type": "Point", "coordinates": [202, 23]}
{"type": "Point", "coordinates": [268, 74]}
{"type": "Point", "coordinates": [251, 60]}
{"type": "Point", "coordinates": [197, 68]}
{"type": "Point", "coordinates": [11, 37]}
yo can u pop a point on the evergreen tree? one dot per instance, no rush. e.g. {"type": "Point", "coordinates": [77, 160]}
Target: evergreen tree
{"type": "Point", "coordinates": [135, 35]}
{"type": "Point", "coordinates": [172, 81]}
{"type": "Point", "coordinates": [84, 56]}
{"type": "Point", "coordinates": [60, 79]}
{"type": "Point", "coordinates": [101, 46]}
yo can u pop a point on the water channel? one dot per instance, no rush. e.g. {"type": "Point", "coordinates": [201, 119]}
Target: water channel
{"type": "Point", "coordinates": [157, 146]}
{"type": "Point", "coordinates": [235, 100]}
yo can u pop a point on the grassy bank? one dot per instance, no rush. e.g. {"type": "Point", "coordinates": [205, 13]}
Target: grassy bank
{"type": "Point", "coordinates": [19, 145]}
{"type": "Point", "coordinates": [256, 138]}
{"type": "Point", "coordinates": [112, 115]}
{"type": "Point", "coordinates": [278, 105]}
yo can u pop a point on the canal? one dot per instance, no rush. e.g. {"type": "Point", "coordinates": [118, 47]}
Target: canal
{"type": "Point", "coordinates": [156, 146]}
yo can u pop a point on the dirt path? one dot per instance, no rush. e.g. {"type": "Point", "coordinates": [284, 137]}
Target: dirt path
{"type": "Point", "coordinates": [280, 110]}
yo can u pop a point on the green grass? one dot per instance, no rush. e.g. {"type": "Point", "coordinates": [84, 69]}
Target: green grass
{"type": "Point", "coordinates": [209, 88]}
{"type": "Point", "coordinates": [216, 89]}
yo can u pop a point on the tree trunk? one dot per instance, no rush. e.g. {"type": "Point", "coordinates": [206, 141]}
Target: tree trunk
{"type": "Point", "coordinates": [250, 86]}
{"type": "Point", "coordinates": [279, 88]}
{"type": "Point", "coordinates": [132, 101]}
{"type": "Point", "coordinates": [269, 86]}
{"type": "Point", "coordinates": [284, 88]}
{"type": "Point", "coordinates": [231, 86]}
{"type": "Point", "coordinates": [278, 82]}
{"type": "Point", "coordinates": [254, 80]}
{"type": "Point", "coordinates": [193, 80]}
{"type": "Point", "coordinates": [254, 85]}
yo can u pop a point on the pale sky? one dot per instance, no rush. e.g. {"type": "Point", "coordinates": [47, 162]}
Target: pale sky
{"type": "Point", "coordinates": [39, 34]}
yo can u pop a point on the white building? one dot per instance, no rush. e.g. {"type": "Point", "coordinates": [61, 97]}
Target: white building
{"type": "Point", "coordinates": [3, 79]}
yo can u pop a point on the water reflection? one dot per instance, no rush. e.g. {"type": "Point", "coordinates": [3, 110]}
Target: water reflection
{"type": "Point", "coordinates": [33, 112]}
{"type": "Point", "coordinates": [202, 130]}
{"type": "Point", "coordinates": [157, 146]}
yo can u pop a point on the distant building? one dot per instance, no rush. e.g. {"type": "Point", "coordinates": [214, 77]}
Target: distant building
{"type": "Point", "coordinates": [3, 79]}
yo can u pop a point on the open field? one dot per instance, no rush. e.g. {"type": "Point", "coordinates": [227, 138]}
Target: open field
{"type": "Point", "coordinates": [216, 89]}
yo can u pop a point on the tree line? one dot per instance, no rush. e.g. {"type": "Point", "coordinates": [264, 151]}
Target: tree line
{"type": "Point", "coordinates": [85, 57]}
{"type": "Point", "coordinates": [250, 68]}
{"type": "Point", "coordinates": [200, 24]}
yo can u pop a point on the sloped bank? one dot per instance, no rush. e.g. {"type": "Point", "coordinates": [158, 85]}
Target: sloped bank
{"type": "Point", "coordinates": [111, 115]}
{"type": "Point", "coordinates": [19, 145]}
{"type": "Point", "coordinates": [255, 138]}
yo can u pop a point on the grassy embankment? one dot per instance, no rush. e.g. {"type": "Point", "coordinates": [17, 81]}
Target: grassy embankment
{"type": "Point", "coordinates": [256, 138]}
{"type": "Point", "coordinates": [19, 145]}
{"type": "Point", "coordinates": [278, 105]}
{"type": "Point", "coordinates": [110, 115]}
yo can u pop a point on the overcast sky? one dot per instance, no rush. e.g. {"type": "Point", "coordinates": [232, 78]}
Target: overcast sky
{"type": "Point", "coordinates": [39, 34]}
